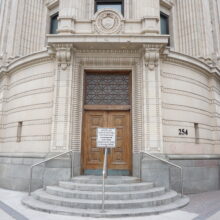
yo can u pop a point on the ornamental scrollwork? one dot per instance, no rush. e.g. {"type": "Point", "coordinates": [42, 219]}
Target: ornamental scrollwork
{"type": "Point", "coordinates": [63, 54]}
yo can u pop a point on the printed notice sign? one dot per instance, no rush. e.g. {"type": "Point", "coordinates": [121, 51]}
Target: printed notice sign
{"type": "Point", "coordinates": [106, 137]}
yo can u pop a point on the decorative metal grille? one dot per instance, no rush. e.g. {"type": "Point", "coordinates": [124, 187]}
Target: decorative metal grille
{"type": "Point", "coordinates": [107, 89]}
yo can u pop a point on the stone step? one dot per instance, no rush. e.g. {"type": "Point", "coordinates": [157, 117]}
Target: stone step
{"type": "Point", "coordinates": [58, 191]}
{"type": "Point", "coordinates": [108, 188]}
{"type": "Point", "coordinates": [90, 179]}
{"type": "Point", "coordinates": [41, 206]}
{"type": "Point", "coordinates": [43, 196]}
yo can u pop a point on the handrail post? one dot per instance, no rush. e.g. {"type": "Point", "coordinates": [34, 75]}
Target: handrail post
{"type": "Point", "coordinates": [169, 179]}
{"type": "Point", "coordinates": [44, 161]}
{"type": "Point", "coordinates": [30, 181]}
{"type": "Point", "coordinates": [104, 175]}
{"type": "Point", "coordinates": [172, 164]}
{"type": "Point", "coordinates": [71, 163]}
{"type": "Point", "coordinates": [181, 181]}
{"type": "Point", "coordinates": [141, 160]}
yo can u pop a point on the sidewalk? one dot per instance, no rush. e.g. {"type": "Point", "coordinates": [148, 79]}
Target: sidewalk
{"type": "Point", "coordinates": [202, 206]}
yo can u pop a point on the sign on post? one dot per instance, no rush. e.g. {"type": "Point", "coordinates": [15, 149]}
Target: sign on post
{"type": "Point", "coordinates": [106, 137]}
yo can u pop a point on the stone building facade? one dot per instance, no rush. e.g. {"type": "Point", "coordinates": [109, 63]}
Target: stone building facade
{"type": "Point", "coordinates": [170, 105]}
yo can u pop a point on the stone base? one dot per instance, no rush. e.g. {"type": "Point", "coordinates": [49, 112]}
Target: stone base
{"type": "Point", "coordinates": [199, 175]}
{"type": "Point", "coordinates": [15, 171]}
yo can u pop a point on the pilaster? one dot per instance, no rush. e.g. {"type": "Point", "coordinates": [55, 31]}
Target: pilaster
{"type": "Point", "coordinates": [214, 108]}
{"type": "Point", "coordinates": [61, 121]}
{"type": "Point", "coordinates": [3, 103]}
{"type": "Point", "coordinates": [152, 100]}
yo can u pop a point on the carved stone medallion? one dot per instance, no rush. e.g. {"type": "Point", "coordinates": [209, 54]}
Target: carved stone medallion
{"type": "Point", "coordinates": [108, 22]}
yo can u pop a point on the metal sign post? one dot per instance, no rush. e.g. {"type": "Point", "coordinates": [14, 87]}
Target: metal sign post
{"type": "Point", "coordinates": [106, 138]}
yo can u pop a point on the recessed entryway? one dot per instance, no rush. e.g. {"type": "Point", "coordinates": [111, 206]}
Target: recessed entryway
{"type": "Point", "coordinates": [107, 105]}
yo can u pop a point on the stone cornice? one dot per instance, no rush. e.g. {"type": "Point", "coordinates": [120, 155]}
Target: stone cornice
{"type": "Point", "coordinates": [190, 61]}
{"type": "Point", "coordinates": [25, 61]}
{"type": "Point", "coordinates": [83, 41]}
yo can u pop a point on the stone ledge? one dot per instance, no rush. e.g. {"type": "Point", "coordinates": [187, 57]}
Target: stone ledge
{"type": "Point", "coordinates": [193, 157]}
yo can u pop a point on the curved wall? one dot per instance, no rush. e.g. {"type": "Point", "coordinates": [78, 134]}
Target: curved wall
{"type": "Point", "coordinates": [28, 100]}
{"type": "Point", "coordinates": [190, 101]}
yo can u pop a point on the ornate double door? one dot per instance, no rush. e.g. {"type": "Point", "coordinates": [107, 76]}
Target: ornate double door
{"type": "Point", "coordinates": [119, 158]}
{"type": "Point", "coordinates": [107, 105]}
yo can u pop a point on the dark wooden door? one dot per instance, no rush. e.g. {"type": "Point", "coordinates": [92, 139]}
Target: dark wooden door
{"type": "Point", "coordinates": [119, 158]}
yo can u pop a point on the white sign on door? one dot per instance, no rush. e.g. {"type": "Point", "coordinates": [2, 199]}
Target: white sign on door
{"type": "Point", "coordinates": [106, 137]}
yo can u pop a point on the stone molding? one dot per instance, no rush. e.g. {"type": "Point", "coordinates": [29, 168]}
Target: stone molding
{"type": "Point", "coordinates": [50, 4]}
{"type": "Point", "coordinates": [86, 59]}
{"type": "Point", "coordinates": [187, 109]}
{"type": "Point", "coordinates": [25, 62]}
{"type": "Point", "coordinates": [186, 94]}
{"type": "Point", "coordinates": [185, 79]}
{"type": "Point", "coordinates": [30, 107]}
{"type": "Point", "coordinates": [30, 93]}
{"type": "Point", "coordinates": [186, 60]}
{"type": "Point", "coordinates": [28, 138]}
{"type": "Point", "coordinates": [29, 122]}
{"type": "Point", "coordinates": [31, 78]}
{"type": "Point", "coordinates": [189, 125]}
{"type": "Point", "coordinates": [187, 140]}
{"type": "Point", "coordinates": [136, 39]}
{"type": "Point", "coordinates": [167, 3]}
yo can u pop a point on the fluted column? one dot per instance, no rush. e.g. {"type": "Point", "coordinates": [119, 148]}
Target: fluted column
{"type": "Point", "coordinates": [152, 100]}
{"type": "Point", "coordinates": [61, 121]}
{"type": "Point", "coordinates": [194, 28]}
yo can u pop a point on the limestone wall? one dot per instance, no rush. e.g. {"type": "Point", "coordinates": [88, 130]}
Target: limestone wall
{"type": "Point", "coordinates": [28, 99]}
{"type": "Point", "coordinates": [194, 25]}
{"type": "Point", "coordinates": [190, 101]}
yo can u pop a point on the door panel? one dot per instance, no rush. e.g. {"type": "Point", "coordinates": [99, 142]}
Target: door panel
{"type": "Point", "coordinates": [119, 158]}
{"type": "Point", "coordinates": [93, 156]}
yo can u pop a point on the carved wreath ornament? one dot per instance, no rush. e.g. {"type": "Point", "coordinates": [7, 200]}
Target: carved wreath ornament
{"type": "Point", "coordinates": [108, 22]}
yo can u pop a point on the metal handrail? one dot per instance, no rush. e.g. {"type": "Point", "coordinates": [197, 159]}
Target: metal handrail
{"type": "Point", "coordinates": [165, 161]}
{"type": "Point", "coordinates": [104, 175]}
{"type": "Point", "coordinates": [44, 161]}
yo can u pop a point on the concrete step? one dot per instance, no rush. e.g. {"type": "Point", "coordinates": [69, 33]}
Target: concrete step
{"type": "Point", "coordinates": [109, 188]}
{"type": "Point", "coordinates": [90, 179]}
{"type": "Point", "coordinates": [43, 196]}
{"type": "Point", "coordinates": [41, 206]}
{"type": "Point", "coordinates": [58, 191]}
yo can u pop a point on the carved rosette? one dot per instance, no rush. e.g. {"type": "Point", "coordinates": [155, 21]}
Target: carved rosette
{"type": "Point", "coordinates": [108, 22]}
